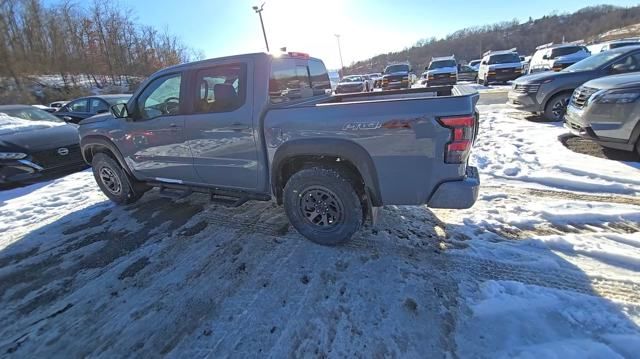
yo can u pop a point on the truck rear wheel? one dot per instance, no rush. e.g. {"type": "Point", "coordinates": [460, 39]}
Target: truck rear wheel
{"type": "Point", "coordinates": [323, 206]}
{"type": "Point", "coordinates": [113, 181]}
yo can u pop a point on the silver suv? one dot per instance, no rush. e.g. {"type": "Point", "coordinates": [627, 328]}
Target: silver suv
{"type": "Point", "coordinates": [549, 92]}
{"type": "Point", "coordinates": [607, 111]}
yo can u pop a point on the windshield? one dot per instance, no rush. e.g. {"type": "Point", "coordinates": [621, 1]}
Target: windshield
{"type": "Point", "coordinates": [396, 68]}
{"type": "Point", "coordinates": [32, 114]}
{"type": "Point", "coordinates": [117, 100]}
{"type": "Point", "coordinates": [593, 62]}
{"type": "Point", "coordinates": [563, 51]}
{"type": "Point", "coordinates": [443, 63]}
{"type": "Point", "coordinates": [352, 79]}
{"type": "Point", "coordinates": [503, 59]}
{"type": "Point", "coordinates": [474, 62]}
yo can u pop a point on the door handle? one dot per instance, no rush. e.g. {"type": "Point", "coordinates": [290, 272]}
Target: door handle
{"type": "Point", "coordinates": [173, 127]}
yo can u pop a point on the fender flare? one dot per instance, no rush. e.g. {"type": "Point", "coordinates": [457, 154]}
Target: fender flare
{"type": "Point", "coordinates": [103, 141]}
{"type": "Point", "coordinates": [345, 149]}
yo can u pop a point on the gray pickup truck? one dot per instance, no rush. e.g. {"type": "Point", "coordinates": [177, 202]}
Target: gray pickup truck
{"type": "Point", "coordinates": [257, 127]}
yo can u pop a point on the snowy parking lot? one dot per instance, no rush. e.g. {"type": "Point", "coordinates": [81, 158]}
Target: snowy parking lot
{"type": "Point", "coordinates": [547, 264]}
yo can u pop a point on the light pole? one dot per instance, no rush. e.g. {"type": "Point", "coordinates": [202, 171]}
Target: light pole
{"type": "Point", "coordinates": [258, 10]}
{"type": "Point", "coordinates": [340, 52]}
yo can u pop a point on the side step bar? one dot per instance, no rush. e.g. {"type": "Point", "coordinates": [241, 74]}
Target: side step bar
{"type": "Point", "coordinates": [228, 198]}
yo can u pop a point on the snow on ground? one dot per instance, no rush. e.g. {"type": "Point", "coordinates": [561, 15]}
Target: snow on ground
{"type": "Point", "coordinates": [544, 265]}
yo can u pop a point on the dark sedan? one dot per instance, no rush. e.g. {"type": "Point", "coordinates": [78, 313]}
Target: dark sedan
{"type": "Point", "coordinates": [35, 145]}
{"type": "Point", "coordinates": [79, 109]}
{"type": "Point", "coordinates": [467, 73]}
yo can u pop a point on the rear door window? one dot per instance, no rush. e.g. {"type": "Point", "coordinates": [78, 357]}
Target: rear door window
{"type": "Point", "coordinates": [78, 106]}
{"type": "Point", "coordinates": [99, 106]}
{"type": "Point", "coordinates": [289, 80]}
{"type": "Point", "coordinates": [319, 77]}
{"type": "Point", "coordinates": [220, 88]}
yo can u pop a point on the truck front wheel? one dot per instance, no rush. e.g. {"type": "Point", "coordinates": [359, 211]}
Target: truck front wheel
{"type": "Point", "coordinates": [323, 206]}
{"type": "Point", "coordinates": [113, 181]}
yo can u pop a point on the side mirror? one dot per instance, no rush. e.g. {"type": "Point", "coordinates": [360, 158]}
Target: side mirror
{"type": "Point", "coordinates": [483, 63]}
{"type": "Point", "coordinates": [545, 57]}
{"type": "Point", "coordinates": [120, 110]}
{"type": "Point", "coordinates": [67, 118]}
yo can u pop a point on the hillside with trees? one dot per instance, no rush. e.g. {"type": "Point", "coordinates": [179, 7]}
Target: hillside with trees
{"type": "Point", "coordinates": [98, 46]}
{"type": "Point", "coordinates": [468, 44]}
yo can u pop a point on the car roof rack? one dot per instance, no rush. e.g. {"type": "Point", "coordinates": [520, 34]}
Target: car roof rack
{"type": "Point", "coordinates": [451, 57]}
{"type": "Point", "coordinates": [489, 52]}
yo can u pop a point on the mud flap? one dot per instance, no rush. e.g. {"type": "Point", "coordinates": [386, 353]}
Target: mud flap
{"type": "Point", "coordinates": [372, 212]}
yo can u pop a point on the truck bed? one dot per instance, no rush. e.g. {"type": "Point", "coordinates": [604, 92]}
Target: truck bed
{"type": "Point", "coordinates": [405, 94]}
{"type": "Point", "coordinates": [398, 130]}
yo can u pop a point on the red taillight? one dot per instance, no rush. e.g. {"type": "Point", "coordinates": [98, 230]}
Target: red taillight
{"type": "Point", "coordinates": [457, 151]}
{"type": "Point", "coordinates": [299, 55]}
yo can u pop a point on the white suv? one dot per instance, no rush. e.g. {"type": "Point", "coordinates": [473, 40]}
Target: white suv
{"type": "Point", "coordinates": [556, 57]}
{"type": "Point", "coordinates": [499, 66]}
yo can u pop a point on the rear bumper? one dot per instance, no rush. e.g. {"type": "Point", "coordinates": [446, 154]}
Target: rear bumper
{"type": "Point", "coordinates": [459, 194]}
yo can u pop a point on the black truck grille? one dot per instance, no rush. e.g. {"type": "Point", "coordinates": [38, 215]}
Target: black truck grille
{"type": "Point", "coordinates": [581, 95]}
{"type": "Point", "coordinates": [53, 158]}
{"type": "Point", "coordinates": [442, 76]}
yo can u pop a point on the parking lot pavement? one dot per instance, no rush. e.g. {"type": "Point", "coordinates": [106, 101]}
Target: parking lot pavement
{"type": "Point", "coordinates": [551, 248]}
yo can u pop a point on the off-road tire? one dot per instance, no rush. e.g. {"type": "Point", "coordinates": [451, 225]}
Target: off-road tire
{"type": "Point", "coordinates": [300, 193]}
{"type": "Point", "coordinates": [549, 108]}
{"type": "Point", "coordinates": [120, 187]}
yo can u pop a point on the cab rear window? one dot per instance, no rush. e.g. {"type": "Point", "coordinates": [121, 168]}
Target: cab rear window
{"type": "Point", "coordinates": [293, 79]}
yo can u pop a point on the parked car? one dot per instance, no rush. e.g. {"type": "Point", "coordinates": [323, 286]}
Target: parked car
{"type": "Point", "coordinates": [377, 79]}
{"type": "Point", "coordinates": [475, 64]}
{"type": "Point", "coordinates": [36, 145]}
{"type": "Point", "coordinates": [618, 43]}
{"type": "Point", "coordinates": [45, 108]}
{"type": "Point", "coordinates": [442, 71]}
{"type": "Point", "coordinates": [467, 73]}
{"type": "Point", "coordinates": [79, 109]}
{"type": "Point", "coordinates": [607, 111]}
{"type": "Point", "coordinates": [353, 83]}
{"type": "Point", "coordinates": [555, 57]}
{"type": "Point", "coordinates": [499, 66]}
{"type": "Point", "coordinates": [549, 92]}
{"type": "Point", "coordinates": [58, 104]}
{"type": "Point", "coordinates": [397, 76]}
{"type": "Point", "coordinates": [525, 63]}
{"type": "Point", "coordinates": [334, 79]}
{"type": "Point", "coordinates": [331, 160]}
{"type": "Point", "coordinates": [369, 82]}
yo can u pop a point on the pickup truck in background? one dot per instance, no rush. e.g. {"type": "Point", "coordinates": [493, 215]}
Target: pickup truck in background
{"type": "Point", "coordinates": [397, 76]}
{"type": "Point", "coordinates": [441, 71]}
{"type": "Point", "coordinates": [262, 127]}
